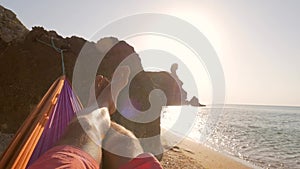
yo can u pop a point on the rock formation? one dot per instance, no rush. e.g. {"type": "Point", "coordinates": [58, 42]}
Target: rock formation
{"type": "Point", "coordinates": [11, 29]}
{"type": "Point", "coordinates": [195, 102]}
{"type": "Point", "coordinates": [29, 66]}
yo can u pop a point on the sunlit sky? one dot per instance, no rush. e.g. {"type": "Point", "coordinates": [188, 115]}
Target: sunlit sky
{"type": "Point", "coordinates": [257, 41]}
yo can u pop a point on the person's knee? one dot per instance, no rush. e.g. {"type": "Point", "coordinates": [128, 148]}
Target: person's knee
{"type": "Point", "coordinates": [121, 141]}
{"type": "Point", "coordinates": [119, 147]}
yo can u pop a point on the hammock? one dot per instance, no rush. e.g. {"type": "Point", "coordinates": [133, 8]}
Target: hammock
{"type": "Point", "coordinates": [43, 127]}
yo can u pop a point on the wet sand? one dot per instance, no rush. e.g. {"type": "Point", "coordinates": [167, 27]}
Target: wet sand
{"type": "Point", "coordinates": [192, 155]}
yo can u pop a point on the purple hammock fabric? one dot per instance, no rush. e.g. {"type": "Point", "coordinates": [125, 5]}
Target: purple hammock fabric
{"type": "Point", "coordinates": [65, 108]}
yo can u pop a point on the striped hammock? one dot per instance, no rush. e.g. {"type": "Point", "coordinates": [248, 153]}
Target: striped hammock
{"type": "Point", "coordinates": [43, 127]}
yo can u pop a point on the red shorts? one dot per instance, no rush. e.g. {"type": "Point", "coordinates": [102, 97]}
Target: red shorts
{"type": "Point", "coordinates": [65, 157]}
{"type": "Point", "coordinates": [143, 161]}
{"type": "Point", "coordinates": [72, 157]}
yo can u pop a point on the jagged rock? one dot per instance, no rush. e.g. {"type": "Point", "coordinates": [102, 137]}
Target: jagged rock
{"type": "Point", "coordinates": [195, 102]}
{"type": "Point", "coordinates": [179, 83]}
{"type": "Point", "coordinates": [11, 29]}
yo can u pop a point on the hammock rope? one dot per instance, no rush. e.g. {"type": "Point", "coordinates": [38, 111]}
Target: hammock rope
{"type": "Point", "coordinates": [61, 51]}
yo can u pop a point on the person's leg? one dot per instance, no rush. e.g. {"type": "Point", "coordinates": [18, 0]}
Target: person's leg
{"type": "Point", "coordinates": [86, 131]}
{"type": "Point", "coordinates": [119, 147]}
{"type": "Point", "coordinates": [122, 150]}
{"type": "Point", "coordinates": [105, 93]}
{"type": "Point", "coordinates": [80, 146]}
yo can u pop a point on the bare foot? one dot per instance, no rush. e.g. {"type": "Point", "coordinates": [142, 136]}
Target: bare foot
{"type": "Point", "coordinates": [106, 92]}
{"type": "Point", "coordinates": [120, 77]}
{"type": "Point", "coordinates": [119, 80]}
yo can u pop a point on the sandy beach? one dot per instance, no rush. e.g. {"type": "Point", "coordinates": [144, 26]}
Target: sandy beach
{"type": "Point", "coordinates": [186, 153]}
{"type": "Point", "coordinates": [189, 155]}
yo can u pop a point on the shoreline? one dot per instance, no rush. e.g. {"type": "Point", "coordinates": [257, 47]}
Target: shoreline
{"type": "Point", "coordinates": [187, 153]}
{"type": "Point", "coordinates": [246, 163]}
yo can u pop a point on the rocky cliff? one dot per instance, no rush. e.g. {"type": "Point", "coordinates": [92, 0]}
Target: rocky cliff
{"type": "Point", "coordinates": [29, 65]}
{"type": "Point", "coordinates": [11, 29]}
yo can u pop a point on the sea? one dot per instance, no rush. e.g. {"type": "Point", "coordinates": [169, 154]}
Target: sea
{"type": "Point", "coordinates": [262, 136]}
